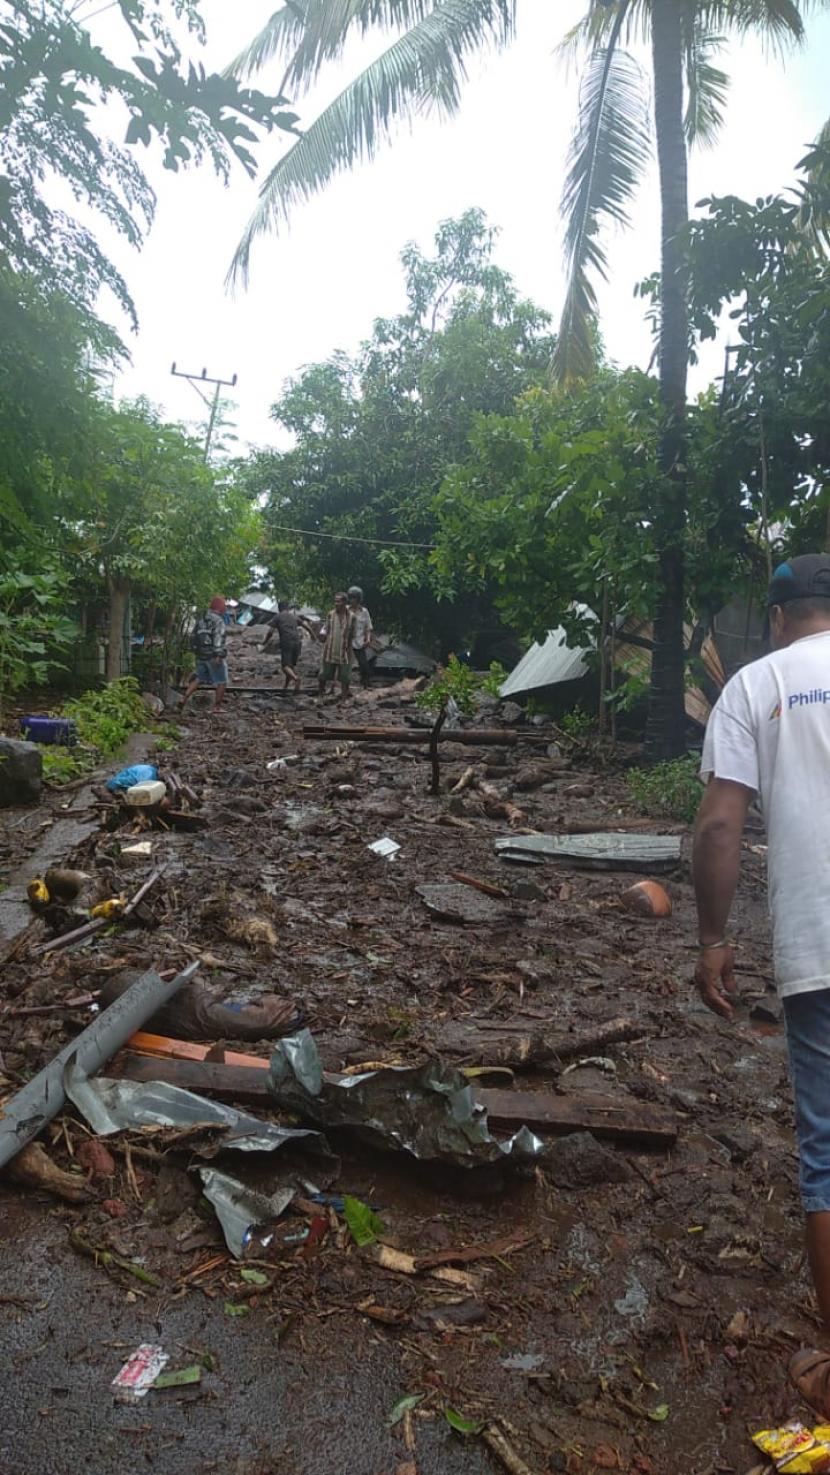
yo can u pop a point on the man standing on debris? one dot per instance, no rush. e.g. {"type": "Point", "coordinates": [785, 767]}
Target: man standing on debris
{"type": "Point", "coordinates": [338, 636]}
{"type": "Point", "coordinates": [287, 628]}
{"type": "Point", "coordinates": [769, 734]}
{"type": "Point", "coordinates": [362, 632]}
{"type": "Point", "coordinates": [209, 644]}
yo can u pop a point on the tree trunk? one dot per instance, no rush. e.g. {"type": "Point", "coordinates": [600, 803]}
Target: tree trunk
{"type": "Point", "coordinates": [119, 593]}
{"type": "Point", "coordinates": [665, 728]}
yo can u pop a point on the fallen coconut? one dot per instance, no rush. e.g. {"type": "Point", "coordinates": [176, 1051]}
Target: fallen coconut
{"type": "Point", "coordinates": [647, 899]}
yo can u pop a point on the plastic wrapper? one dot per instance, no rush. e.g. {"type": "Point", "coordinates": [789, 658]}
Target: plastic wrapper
{"type": "Point", "coordinates": [427, 1110]}
{"type": "Point", "coordinates": [795, 1449]}
{"type": "Point", "coordinates": [241, 1209]}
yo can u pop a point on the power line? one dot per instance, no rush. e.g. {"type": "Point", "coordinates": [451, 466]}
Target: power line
{"type": "Point", "coordinates": [282, 527]}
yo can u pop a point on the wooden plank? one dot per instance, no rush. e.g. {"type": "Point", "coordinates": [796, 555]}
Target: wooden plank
{"type": "Point", "coordinates": [231, 1083]}
{"type": "Point", "coordinates": [603, 851]}
{"type": "Point", "coordinates": [161, 1045]}
{"type": "Point", "coordinates": [618, 1119]}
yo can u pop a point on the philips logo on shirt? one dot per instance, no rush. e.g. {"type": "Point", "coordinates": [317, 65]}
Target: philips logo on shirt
{"type": "Point", "coordinates": [807, 698]}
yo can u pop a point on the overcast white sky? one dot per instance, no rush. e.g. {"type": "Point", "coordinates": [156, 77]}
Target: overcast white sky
{"type": "Point", "coordinates": [319, 286]}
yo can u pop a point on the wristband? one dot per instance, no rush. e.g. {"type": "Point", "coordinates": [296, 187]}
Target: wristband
{"type": "Point", "coordinates": [711, 947]}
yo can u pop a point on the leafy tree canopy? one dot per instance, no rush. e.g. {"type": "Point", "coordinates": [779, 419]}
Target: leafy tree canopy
{"type": "Point", "coordinates": [374, 435]}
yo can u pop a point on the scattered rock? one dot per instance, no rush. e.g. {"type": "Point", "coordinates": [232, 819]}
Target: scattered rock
{"type": "Point", "coordinates": [384, 806]}
{"type": "Point", "coordinates": [528, 891]}
{"type": "Point", "coordinates": [455, 804]}
{"type": "Point", "coordinates": [580, 1161]}
{"type": "Point", "coordinates": [459, 903]}
{"type": "Point", "coordinates": [96, 1158]}
{"type": "Point", "coordinates": [511, 714]}
{"type": "Point", "coordinates": [739, 1143]}
{"type": "Point", "coordinates": [21, 772]}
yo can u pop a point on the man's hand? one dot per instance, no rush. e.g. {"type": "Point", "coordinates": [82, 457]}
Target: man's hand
{"type": "Point", "coordinates": [715, 979]}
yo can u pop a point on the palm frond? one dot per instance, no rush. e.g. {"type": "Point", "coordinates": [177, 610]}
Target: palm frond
{"type": "Point", "coordinates": [280, 35]}
{"type": "Point", "coordinates": [707, 87]}
{"type": "Point", "coordinates": [424, 68]}
{"type": "Point", "coordinates": [610, 149]}
{"type": "Point", "coordinates": [309, 33]}
{"type": "Point", "coordinates": [777, 23]}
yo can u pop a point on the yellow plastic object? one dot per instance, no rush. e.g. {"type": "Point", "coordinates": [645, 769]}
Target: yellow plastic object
{"type": "Point", "coordinates": [38, 892]}
{"type": "Point", "coordinates": [109, 909]}
{"type": "Point", "coordinates": [796, 1450]}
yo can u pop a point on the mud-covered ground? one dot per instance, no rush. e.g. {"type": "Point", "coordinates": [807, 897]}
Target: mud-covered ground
{"type": "Point", "coordinates": [644, 1326]}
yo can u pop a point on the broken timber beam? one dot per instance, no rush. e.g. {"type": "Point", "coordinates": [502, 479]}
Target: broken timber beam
{"type": "Point", "coordinates": [475, 736]}
{"type": "Point", "coordinates": [615, 1119]}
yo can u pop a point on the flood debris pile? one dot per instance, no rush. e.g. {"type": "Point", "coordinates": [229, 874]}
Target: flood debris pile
{"type": "Point", "coordinates": [351, 1065]}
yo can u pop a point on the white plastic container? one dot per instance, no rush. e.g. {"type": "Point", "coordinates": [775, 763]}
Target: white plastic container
{"type": "Point", "coordinates": [141, 796]}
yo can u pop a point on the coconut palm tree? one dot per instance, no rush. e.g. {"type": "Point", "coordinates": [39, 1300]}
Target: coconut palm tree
{"type": "Point", "coordinates": [424, 68]}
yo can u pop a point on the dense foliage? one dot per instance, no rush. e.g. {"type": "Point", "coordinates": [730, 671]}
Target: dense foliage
{"type": "Point", "coordinates": [99, 503]}
{"type": "Point", "coordinates": [374, 436]}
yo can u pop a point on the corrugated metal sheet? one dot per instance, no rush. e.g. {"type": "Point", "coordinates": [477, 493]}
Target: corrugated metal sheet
{"type": "Point", "coordinates": [403, 657]}
{"type": "Point", "coordinates": [556, 661]}
{"type": "Point", "coordinates": [548, 664]}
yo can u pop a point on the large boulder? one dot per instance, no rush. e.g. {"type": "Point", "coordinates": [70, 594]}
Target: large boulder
{"type": "Point", "coordinates": [21, 772]}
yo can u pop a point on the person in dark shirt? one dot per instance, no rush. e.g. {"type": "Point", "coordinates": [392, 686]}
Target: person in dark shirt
{"type": "Point", "coordinates": [286, 626]}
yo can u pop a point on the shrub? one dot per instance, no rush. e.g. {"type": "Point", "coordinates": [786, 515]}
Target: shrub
{"type": "Point", "coordinates": [668, 790]}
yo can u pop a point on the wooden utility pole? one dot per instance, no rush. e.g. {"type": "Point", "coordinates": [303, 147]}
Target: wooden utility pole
{"type": "Point", "coordinates": [212, 404]}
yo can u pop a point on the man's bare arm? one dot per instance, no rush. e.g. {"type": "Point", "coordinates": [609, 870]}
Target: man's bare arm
{"type": "Point", "coordinates": [716, 865]}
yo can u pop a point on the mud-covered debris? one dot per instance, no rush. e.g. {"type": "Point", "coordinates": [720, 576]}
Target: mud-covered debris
{"type": "Point", "coordinates": [33, 1168]}
{"type": "Point", "coordinates": [428, 1111]}
{"type": "Point", "coordinates": [198, 1012]}
{"type": "Point", "coordinates": [242, 1210]}
{"type": "Point", "coordinates": [460, 903]}
{"type": "Point", "coordinates": [579, 1161]}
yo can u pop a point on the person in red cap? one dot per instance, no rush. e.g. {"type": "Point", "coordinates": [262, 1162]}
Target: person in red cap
{"type": "Point", "coordinates": [769, 735]}
{"type": "Point", "coordinates": [209, 645]}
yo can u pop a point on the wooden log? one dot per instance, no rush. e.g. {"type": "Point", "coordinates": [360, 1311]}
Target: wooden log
{"type": "Point", "coordinates": [232, 1083]}
{"type": "Point", "coordinates": [475, 736]}
{"type": "Point", "coordinates": [525, 1045]}
{"type": "Point", "coordinates": [617, 1119]}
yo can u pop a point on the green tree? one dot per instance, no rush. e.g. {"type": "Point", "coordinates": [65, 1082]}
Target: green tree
{"type": "Point", "coordinates": [52, 78]}
{"type": "Point", "coordinates": [766, 262]}
{"type": "Point", "coordinates": [425, 67]}
{"type": "Point", "coordinates": [152, 519]}
{"type": "Point", "coordinates": [374, 436]}
{"type": "Point", "coordinates": [555, 505]}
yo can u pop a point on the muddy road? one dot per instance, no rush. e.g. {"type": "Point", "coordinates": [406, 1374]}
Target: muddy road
{"type": "Point", "coordinates": [643, 1317]}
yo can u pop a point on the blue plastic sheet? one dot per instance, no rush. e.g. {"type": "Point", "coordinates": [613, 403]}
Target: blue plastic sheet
{"type": "Point", "coordinates": [140, 773]}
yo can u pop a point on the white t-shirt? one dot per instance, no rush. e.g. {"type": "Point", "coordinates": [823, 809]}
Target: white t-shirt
{"type": "Point", "coordinates": [362, 627]}
{"type": "Point", "coordinates": [770, 730]}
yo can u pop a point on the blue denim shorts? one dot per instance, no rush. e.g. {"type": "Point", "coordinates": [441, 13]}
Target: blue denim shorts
{"type": "Point", "coordinates": [212, 673]}
{"type": "Point", "coordinates": [808, 1038]}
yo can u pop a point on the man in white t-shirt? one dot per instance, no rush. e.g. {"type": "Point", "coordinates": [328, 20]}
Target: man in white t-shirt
{"type": "Point", "coordinates": [769, 735]}
{"type": "Point", "coordinates": [362, 632]}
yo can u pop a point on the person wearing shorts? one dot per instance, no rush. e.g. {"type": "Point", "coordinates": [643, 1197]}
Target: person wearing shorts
{"type": "Point", "coordinates": [337, 636]}
{"type": "Point", "coordinates": [287, 628]}
{"type": "Point", "coordinates": [211, 662]}
{"type": "Point", "coordinates": [769, 735]}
